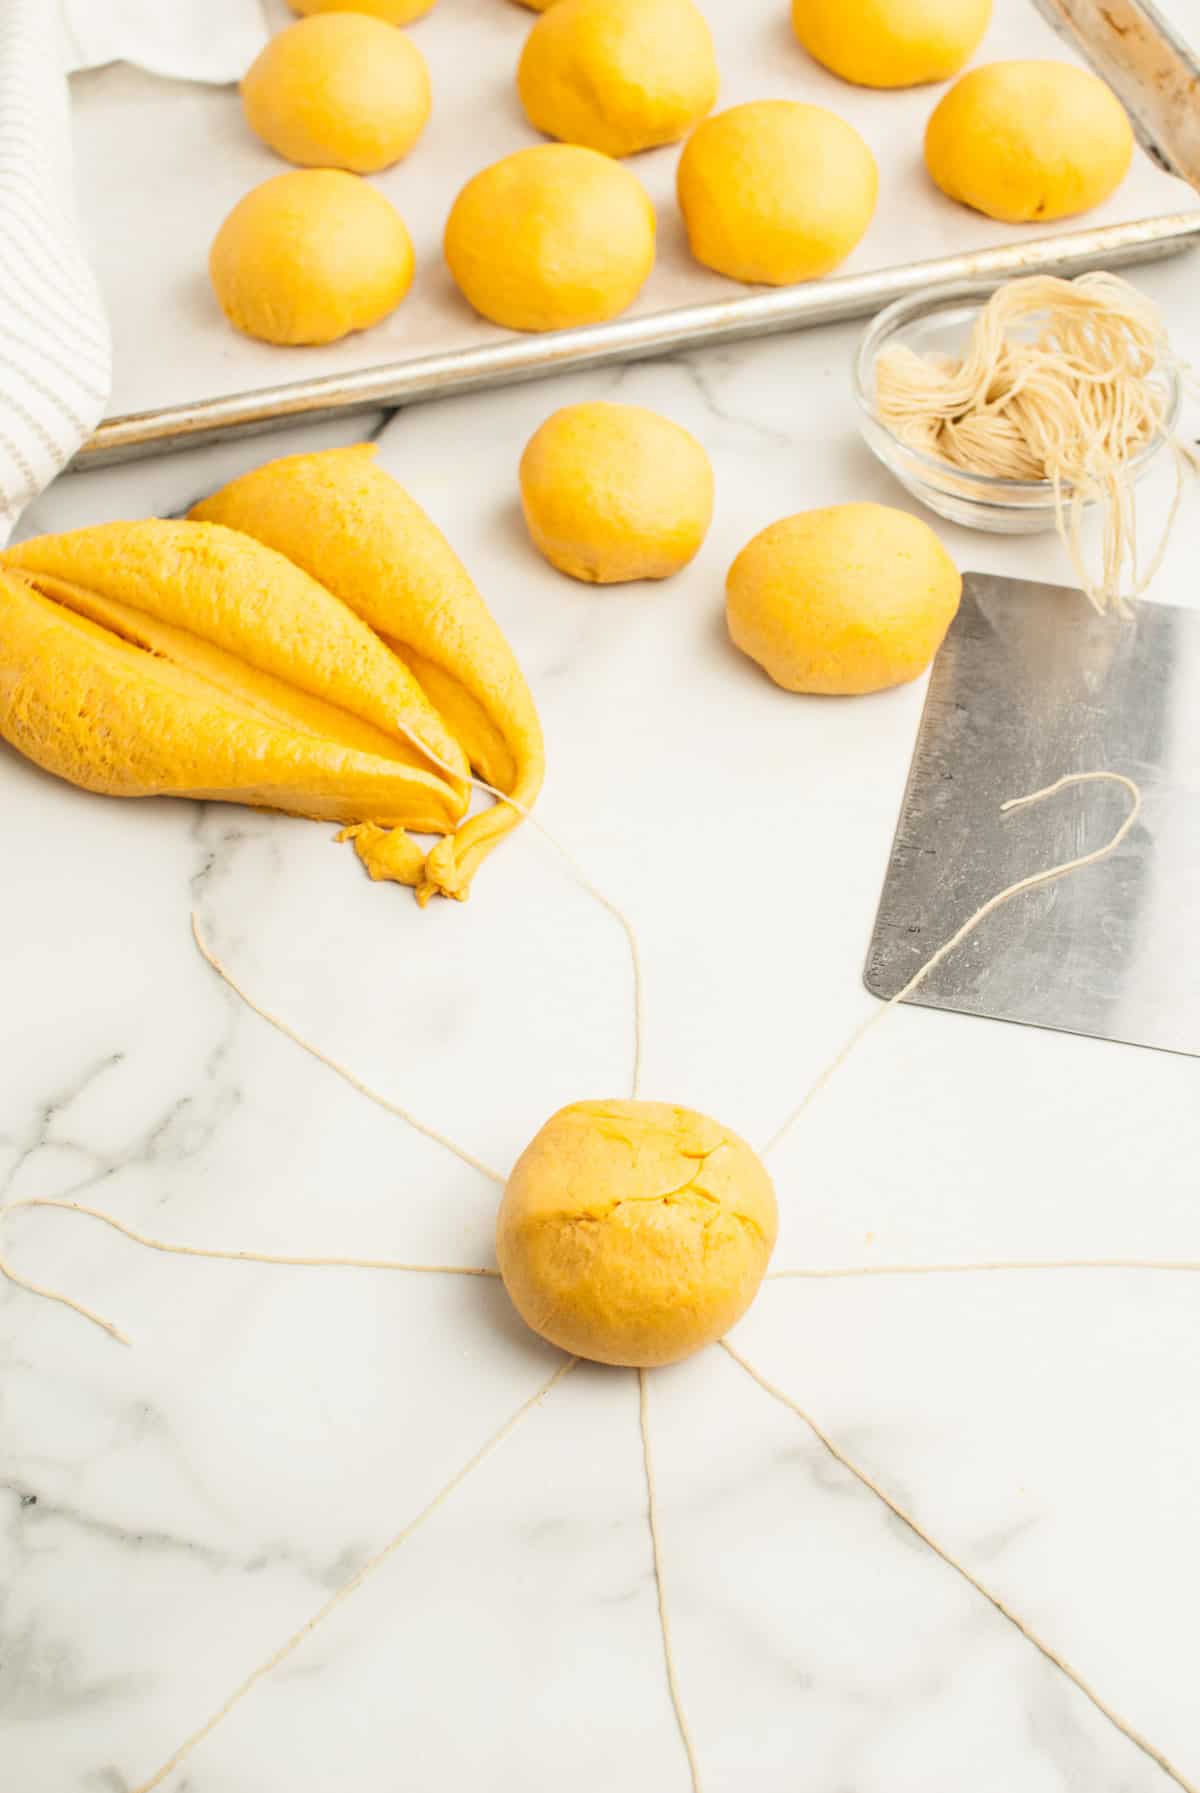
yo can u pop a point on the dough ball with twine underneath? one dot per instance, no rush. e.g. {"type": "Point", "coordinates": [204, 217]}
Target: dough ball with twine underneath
{"type": "Point", "coordinates": [338, 90]}
{"type": "Point", "coordinates": [635, 1233]}
{"type": "Point", "coordinates": [1061, 380]}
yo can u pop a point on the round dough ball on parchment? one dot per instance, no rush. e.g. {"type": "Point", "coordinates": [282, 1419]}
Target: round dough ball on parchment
{"type": "Point", "coordinates": [309, 256]}
{"type": "Point", "coordinates": [551, 237]}
{"type": "Point", "coordinates": [843, 601]}
{"type": "Point", "coordinates": [634, 1232]}
{"type": "Point", "coordinates": [338, 90]}
{"type": "Point", "coordinates": [618, 75]}
{"type": "Point", "coordinates": [392, 12]}
{"type": "Point", "coordinates": [891, 43]}
{"type": "Point", "coordinates": [1028, 141]}
{"type": "Point", "coordinates": [775, 191]}
{"type": "Point", "coordinates": [615, 492]}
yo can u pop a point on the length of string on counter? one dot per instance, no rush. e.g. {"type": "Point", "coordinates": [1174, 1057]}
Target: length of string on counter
{"type": "Point", "coordinates": [291, 1260]}
{"type": "Point", "coordinates": [585, 883]}
{"type": "Point", "coordinates": [351, 1587]}
{"type": "Point", "coordinates": [343, 1071]}
{"type": "Point", "coordinates": [1033, 882]}
{"type": "Point", "coordinates": [1026, 1630]}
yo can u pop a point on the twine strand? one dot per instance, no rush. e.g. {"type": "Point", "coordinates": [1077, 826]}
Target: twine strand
{"type": "Point", "coordinates": [660, 1586]}
{"type": "Point", "coordinates": [1033, 882]}
{"type": "Point", "coordinates": [850, 1270]}
{"type": "Point", "coordinates": [952, 1562]}
{"type": "Point", "coordinates": [332, 1064]}
{"type": "Point", "coordinates": [618, 914]}
{"type": "Point", "coordinates": [352, 1586]}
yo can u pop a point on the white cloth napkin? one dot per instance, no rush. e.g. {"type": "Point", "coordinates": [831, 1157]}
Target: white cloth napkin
{"type": "Point", "coordinates": [55, 352]}
{"type": "Point", "coordinates": [55, 348]}
{"type": "Point", "coordinates": [188, 40]}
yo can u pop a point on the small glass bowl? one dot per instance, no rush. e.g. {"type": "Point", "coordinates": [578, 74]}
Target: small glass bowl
{"type": "Point", "coordinates": [940, 322]}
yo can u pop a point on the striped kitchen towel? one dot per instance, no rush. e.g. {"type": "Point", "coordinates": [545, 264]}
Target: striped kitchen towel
{"type": "Point", "coordinates": [55, 349]}
{"type": "Point", "coordinates": [55, 354]}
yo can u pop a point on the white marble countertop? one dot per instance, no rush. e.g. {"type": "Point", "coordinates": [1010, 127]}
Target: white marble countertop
{"type": "Point", "coordinates": [171, 1511]}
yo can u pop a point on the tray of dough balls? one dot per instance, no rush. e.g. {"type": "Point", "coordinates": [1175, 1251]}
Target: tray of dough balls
{"type": "Point", "coordinates": [375, 193]}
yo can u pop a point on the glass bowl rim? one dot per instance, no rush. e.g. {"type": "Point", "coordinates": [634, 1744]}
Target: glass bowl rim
{"type": "Point", "coordinates": [887, 322]}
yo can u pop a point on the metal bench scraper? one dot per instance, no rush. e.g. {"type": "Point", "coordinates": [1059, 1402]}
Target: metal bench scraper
{"type": "Point", "coordinates": [1031, 684]}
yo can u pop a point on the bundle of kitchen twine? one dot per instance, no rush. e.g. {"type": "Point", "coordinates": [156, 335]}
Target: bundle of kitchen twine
{"type": "Point", "coordinates": [1067, 381]}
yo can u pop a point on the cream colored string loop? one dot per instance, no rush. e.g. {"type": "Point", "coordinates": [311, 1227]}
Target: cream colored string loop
{"type": "Point", "coordinates": [664, 1620]}
{"type": "Point", "coordinates": [1047, 1650]}
{"type": "Point", "coordinates": [618, 914]}
{"type": "Point", "coordinates": [1018, 1264]}
{"type": "Point", "coordinates": [342, 1071]}
{"type": "Point", "coordinates": [352, 1586]}
{"type": "Point", "coordinates": [1033, 882]}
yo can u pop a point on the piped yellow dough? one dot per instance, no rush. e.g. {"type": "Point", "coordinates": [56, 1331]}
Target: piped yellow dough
{"type": "Point", "coordinates": [392, 12]}
{"type": "Point", "coordinates": [338, 90]}
{"type": "Point", "coordinates": [1027, 141]}
{"type": "Point", "coordinates": [349, 525]}
{"type": "Point", "coordinates": [309, 256]}
{"type": "Point", "coordinates": [891, 43]}
{"type": "Point", "coordinates": [635, 1233]}
{"type": "Point", "coordinates": [551, 237]}
{"type": "Point", "coordinates": [776, 191]}
{"type": "Point", "coordinates": [618, 75]}
{"type": "Point", "coordinates": [843, 601]}
{"type": "Point", "coordinates": [168, 658]}
{"type": "Point", "coordinates": [615, 492]}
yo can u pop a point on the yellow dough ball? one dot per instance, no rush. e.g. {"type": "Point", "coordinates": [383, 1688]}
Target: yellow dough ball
{"type": "Point", "coordinates": [392, 12]}
{"type": "Point", "coordinates": [550, 237]}
{"type": "Point", "coordinates": [635, 1233]}
{"type": "Point", "coordinates": [339, 90]}
{"type": "Point", "coordinates": [891, 43]}
{"type": "Point", "coordinates": [1025, 141]}
{"type": "Point", "coordinates": [775, 191]}
{"type": "Point", "coordinates": [615, 492]}
{"type": "Point", "coordinates": [843, 601]}
{"type": "Point", "coordinates": [618, 75]}
{"type": "Point", "coordinates": [309, 256]}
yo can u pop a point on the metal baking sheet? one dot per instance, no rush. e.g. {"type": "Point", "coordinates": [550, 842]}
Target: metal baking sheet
{"type": "Point", "coordinates": [1031, 684]}
{"type": "Point", "coordinates": [183, 376]}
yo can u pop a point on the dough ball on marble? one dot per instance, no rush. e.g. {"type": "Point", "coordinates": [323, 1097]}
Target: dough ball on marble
{"type": "Point", "coordinates": [843, 601]}
{"type": "Point", "coordinates": [776, 191]}
{"type": "Point", "coordinates": [615, 492]}
{"type": "Point", "coordinates": [618, 75]}
{"type": "Point", "coordinates": [1027, 141]}
{"type": "Point", "coordinates": [310, 256]}
{"type": "Point", "coordinates": [339, 90]}
{"type": "Point", "coordinates": [635, 1233]}
{"type": "Point", "coordinates": [392, 12]}
{"type": "Point", "coordinates": [551, 236]}
{"type": "Point", "coordinates": [891, 43]}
